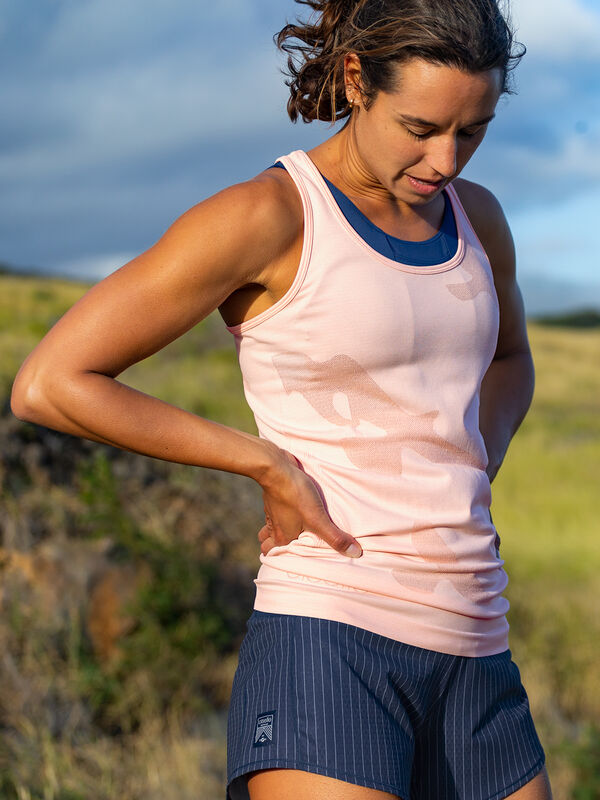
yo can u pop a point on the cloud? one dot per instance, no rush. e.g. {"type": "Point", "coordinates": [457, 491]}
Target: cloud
{"type": "Point", "coordinates": [92, 268]}
{"type": "Point", "coordinates": [555, 240]}
{"type": "Point", "coordinates": [558, 30]}
{"type": "Point", "coordinates": [532, 175]}
{"type": "Point", "coordinates": [112, 82]}
{"type": "Point", "coordinates": [546, 138]}
{"type": "Point", "coordinates": [139, 112]}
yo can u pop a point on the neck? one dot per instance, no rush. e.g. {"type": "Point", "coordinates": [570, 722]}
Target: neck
{"type": "Point", "coordinates": [339, 159]}
{"type": "Point", "coordinates": [358, 180]}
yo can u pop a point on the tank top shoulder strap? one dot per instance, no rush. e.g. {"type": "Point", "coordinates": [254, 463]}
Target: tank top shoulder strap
{"type": "Point", "coordinates": [294, 168]}
{"type": "Point", "coordinates": [463, 221]}
{"type": "Point", "coordinates": [306, 177]}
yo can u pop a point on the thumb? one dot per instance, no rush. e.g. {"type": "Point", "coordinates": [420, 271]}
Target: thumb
{"type": "Point", "coordinates": [341, 541]}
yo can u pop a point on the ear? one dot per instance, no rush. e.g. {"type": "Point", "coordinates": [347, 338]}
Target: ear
{"type": "Point", "coordinates": [352, 78]}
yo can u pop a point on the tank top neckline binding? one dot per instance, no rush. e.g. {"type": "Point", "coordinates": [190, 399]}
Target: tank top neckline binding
{"type": "Point", "coordinates": [416, 270]}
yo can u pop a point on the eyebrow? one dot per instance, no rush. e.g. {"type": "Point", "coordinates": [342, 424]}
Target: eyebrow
{"type": "Point", "coordinates": [424, 123]}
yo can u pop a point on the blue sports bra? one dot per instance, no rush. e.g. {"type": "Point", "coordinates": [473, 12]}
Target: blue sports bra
{"type": "Point", "coordinates": [437, 250]}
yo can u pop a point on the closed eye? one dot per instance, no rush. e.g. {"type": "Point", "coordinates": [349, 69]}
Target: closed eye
{"type": "Point", "coordinates": [468, 134]}
{"type": "Point", "coordinates": [417, 135]}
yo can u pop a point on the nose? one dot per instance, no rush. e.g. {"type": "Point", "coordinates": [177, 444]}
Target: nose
{"type": "Point", "coordinates": [441, 155]}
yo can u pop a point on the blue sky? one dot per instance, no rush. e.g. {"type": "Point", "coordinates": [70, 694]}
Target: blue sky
{"type": "Point", "coordinates": [118, 115]}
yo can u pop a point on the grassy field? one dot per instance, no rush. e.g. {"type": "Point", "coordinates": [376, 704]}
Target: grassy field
{"type": "Point", "coordinates": [544, 509]}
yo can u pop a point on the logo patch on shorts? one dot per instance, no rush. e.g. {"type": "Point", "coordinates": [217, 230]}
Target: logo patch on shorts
{"type": "Point", "coordinates": [263, 733]}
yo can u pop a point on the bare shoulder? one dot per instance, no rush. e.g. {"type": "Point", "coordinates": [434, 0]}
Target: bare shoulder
{"type": "Point", "coordinates": [250, 224]}
{"type": "Point", "coordinates": [269, 202]}
{"type": "Point", "coordinates": [214, 248]}
{"type": "Point", "coordinates": [489, 222]}
{"type": "Point", "coordinates": [474, 194]}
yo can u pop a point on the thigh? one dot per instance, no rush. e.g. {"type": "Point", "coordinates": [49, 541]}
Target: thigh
{"type": "Point", "coordinates": [295, 784]}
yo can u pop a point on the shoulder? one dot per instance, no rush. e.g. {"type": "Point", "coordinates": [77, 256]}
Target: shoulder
{"type": "Point", "coordinates": [276, 207]}
{"type": "Point", "coordinates": [240, 229]}
{"type": "Point", "coordinates": [268, 200]}
{"type": "Point", "coordinates": [482, 206]}
{"type": "Point", "coordinates": [490, 224]}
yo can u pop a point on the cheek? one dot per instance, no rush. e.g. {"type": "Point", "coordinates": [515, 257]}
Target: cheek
{"type": "Point", "coordinates": [388, 148]}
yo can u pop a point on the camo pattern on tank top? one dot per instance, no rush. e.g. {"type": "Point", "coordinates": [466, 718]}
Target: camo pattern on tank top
{"type": "Point", "coordinates": [369, 371]}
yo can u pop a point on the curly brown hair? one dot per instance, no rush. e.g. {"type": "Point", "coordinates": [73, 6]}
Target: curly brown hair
{"type": "Point", "coordinates": [473, 35]}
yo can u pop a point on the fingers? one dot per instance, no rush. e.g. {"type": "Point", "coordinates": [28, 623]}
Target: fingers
{"type": "Point", "coordinates": [263, 533]}
{"type": "Point", "coordinates": [345, 544]}
{"type": "Point", "coordinates": [265, 539]}
{"type": "Point", "coordinates": [297, 504]}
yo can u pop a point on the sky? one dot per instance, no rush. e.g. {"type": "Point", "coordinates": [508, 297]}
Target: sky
{"type": "Point", "coordinates": [118, 115]}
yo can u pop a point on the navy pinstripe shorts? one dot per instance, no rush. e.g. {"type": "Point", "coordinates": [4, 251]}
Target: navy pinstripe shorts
{"type": "Point", "coordinates": [337, 700]}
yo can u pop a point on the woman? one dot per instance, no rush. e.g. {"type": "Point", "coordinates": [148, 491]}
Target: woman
{"type": "Point", "coordinates": [382, 339]}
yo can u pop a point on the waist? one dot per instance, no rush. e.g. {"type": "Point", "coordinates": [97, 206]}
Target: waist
{"type": "Point", "coordinates": [454, 607]}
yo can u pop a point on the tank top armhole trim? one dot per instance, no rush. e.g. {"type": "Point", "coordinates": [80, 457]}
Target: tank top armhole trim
{"type": "Point", "coordinates": [468, 226]}
{"type": "Point", "coordinates": [307, 242]}
{"type": "Point", "coordinates": [466, 222]}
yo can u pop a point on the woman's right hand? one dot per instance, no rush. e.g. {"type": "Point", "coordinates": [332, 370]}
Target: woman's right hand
{"type": "Point", "coordinates": [293, 503]}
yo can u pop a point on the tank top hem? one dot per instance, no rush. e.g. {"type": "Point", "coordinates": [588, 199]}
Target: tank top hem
{"type": "Point", "coordinates": [410, 623]}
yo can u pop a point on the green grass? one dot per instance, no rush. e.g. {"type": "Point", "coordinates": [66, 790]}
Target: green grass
{"type": "Point", "coordinates": [546, 512]}
{"type": "Point", "coordinates": [198, 371]}
{"type": "Point", "coordinates": [545, 496]}
{"type": "Point", "coordinates": [29, 306]}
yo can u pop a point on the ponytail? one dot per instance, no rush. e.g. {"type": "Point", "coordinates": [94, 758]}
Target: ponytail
{"type": "Point", "coordinates": [316, 84]}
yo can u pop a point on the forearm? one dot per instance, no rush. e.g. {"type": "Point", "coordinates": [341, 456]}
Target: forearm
{"type": "Point", "coordinates": [100, 408]}
{"type": "Point", "coordinates": [506, 394]}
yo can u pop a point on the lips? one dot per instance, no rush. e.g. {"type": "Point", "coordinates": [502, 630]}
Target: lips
{"type": "Point", "coordinates": [424, 186]}
{"type": "Point", "coordinates": [425, 181]}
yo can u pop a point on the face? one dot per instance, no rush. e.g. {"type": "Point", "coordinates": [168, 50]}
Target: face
{"type": "Point", "coordinates": [415, 139]}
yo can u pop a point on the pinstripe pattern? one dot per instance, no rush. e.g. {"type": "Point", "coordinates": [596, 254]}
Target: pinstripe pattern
{"type": "Point", "coordinates": [377, 712]}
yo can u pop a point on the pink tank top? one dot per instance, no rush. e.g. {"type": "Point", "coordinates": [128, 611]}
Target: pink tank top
{"type": "Point", "coordinates": [369, 372]}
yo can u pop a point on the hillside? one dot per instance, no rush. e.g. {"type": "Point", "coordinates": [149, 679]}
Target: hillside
{"type": "Point", "coordinates": [127, 581]}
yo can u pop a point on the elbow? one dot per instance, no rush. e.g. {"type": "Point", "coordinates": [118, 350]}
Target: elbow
{"type": "Point", "coordinates": [22, 400]}
{"type": "Point", "coordinates": [17, 406]}
{"type": "Point", "coordinates": [27, 397]}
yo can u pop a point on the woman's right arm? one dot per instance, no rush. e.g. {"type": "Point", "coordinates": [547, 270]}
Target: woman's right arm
{"type": "Point", "coordinates": [68, 382]}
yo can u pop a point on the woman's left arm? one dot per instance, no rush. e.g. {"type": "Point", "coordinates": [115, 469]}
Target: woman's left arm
{"type": "Point", "coordinates": [507, 387]}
